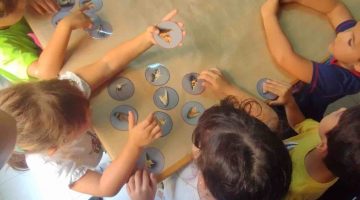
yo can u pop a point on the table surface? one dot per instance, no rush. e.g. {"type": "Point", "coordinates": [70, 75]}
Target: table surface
{"type": "Point", "coordinates": [225, 34]}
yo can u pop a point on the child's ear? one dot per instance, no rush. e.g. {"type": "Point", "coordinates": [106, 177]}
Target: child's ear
{"type": "Point", "coordinates": [357, 67]}
{"type": "Point", "coordinates": [52, 150]}
{"type": "Point", "coordinates": [322, 147]}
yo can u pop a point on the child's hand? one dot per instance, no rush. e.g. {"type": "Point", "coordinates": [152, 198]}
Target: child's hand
{"type": "Point", "coordinates": [144, 132]}
{"type": "Point", "coordinates": [152, 29]}
{"type": "Point", "coordinates": [281, 89]}
{"type": "Point", "coordinates": [77, 19]}
{"type": "Point", "coordinates": [142, 186]}
{"type": "Point", "coordinates": [44, 6]}
{"type": "Point", "coordinates": [270, 7]}
{"type": "Point", "coordinates": [216, 82]}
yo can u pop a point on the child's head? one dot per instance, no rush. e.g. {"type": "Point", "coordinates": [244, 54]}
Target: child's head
{"type": "Point", "coordinates": [346, 48]}
{"type": "Point", "coordinates": [11, 11]}
{"type": "Point", "coordinates": [48, 113]}
{"type": "Point", "coordinates": [340, 135]}
{"type": "Point", "coordinates": [240, 158]}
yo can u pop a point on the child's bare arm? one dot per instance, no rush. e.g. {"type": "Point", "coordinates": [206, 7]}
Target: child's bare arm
{"type": "Point", "coordinates": [333, 9]}
{"type": "Point", "coordinates": [283, 91]}
{"type": "Point", "coordinates": [216, 82]}
{"type": "Point", "coordinates": [119, 171]}
{"type": "Point", "coordinates": [280, 47]}
{"type": "Point", "coordinates": [117, 59]}
{"type": "Point", "coordinates": [51, 59]}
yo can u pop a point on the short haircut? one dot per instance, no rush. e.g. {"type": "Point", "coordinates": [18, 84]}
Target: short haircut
{"type": "Point", "coordinates": [343, 141]}
{"type": "Point", "coordinates": [7, 7]}
{"type": "Point", "coordinates": [240, 157]}
{"type": "Point", "coordinates": [46, 112]}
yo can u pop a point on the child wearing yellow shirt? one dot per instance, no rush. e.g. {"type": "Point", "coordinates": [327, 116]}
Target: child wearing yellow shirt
{"type": "Point", "coordinates": [321, 152]}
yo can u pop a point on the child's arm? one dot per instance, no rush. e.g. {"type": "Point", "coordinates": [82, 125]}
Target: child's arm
{"type": "Point", "coordinates": [333, 9]}
{"type": "Point", "coordinates": [283, 91]}
{"type": "Point", "coordinates": [142, 186]}
{"type": "Point", "coordinates": [120, 169]}
{"type": "Point", "coordinates": [52, 57]}
{"type": "Point", "coordinates": [117, 59]}
{"type": "Point", "coordinates": [216, 82]}
{"type": "Point", "coordinates": [280, 47]}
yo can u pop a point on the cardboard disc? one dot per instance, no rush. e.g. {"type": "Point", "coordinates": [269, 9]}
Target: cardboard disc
{"type": "Point", "coordinates": [152, 160]}
{"type": "Point", "coordinates": [165, 122]}
{"type": "Point", "coordinates": [98, 4]}
{"type": "Point", "coordinates": [118, 117]}
{"type": "Point", "coordinates": [157, 74]}
{"type": "Point", "coordinates": [101, 29]}
{"type": "Point", "coordinates": [121, 89]}
{"type": "Point", "coordinates": [166, 98]}
{"type": "Point", "coordinates": [173, 35]}
{"type": "Point", "coordinates": [191, 112]}
{"type": "Point", "coordinates": [58, 16]}
{"type": "Point", "coordinates": [260, 90]}
{"type": "Point", "coordinates": [66, 5]}
{"type": "Point", "coordinates": [191, 84]}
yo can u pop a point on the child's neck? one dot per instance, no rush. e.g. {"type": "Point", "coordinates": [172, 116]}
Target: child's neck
{"type": "Point", "coordinates": [316, 167]}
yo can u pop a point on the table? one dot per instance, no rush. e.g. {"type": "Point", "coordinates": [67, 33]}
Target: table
{"type": "Point", "coordinates": [225, 34]}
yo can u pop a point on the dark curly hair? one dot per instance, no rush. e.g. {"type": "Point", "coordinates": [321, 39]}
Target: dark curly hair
{"type": "Point", "coordinates": [240, 157]}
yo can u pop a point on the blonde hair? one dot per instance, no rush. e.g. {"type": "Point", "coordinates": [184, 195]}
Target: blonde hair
{"type": "Point", "coordinates": [46, 112]}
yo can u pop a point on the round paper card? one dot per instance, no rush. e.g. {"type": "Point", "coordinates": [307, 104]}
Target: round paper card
{"type": "Point", "coordinates": [119, 117]}
{"type": "Point", "coordinates": [170, 35]}
{"type": "Point", "coordinates": [121, 89]}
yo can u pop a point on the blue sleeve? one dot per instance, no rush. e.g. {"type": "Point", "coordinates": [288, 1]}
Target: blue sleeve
{"type": "Point", "coordinates": [345, 25]}
{"type": "Point", "coordinates": [332, 80]}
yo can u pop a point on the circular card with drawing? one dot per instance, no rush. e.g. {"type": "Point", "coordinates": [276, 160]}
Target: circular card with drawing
{"type": "Point", "coordinates": [164, 121]}
{"type": "Point", "coordinates": [157, 74]}
{"type": "Point", "coordinates": [100, 29]}
{"type": "Point", "coordinates": [170, 35]}
{"type": "Point", "coordinates": [152, 160]}
{"type": "Point", "coordinates": [119, 117]}
{"type": "Point", "coordinates": [191, 112]}
{"type": "Point", "coordinates": [260, 90]}
{"type": "Point", "coordinates": [121, 89]}
{"type": "Point", "coordinates": [192, 84]}
{"type": "Point", "coordinates": [166, 98]}
{"type": "Point", "coordinates": [58, 16]}
{"type": "Point", "coordinates": [96, 5]}
{"type": "Point", "coordinates": [66, 5]}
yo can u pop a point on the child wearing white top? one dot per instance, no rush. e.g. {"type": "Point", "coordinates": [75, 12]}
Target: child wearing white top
{"type": "Point", "coordinates": [54, 126]}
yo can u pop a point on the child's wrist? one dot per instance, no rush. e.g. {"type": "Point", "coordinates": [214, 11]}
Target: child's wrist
{"type": "Point", "coordinates": [133, 145]}
{"type": "Point", "coordinates": [290, 101]}
{"type": "Point", "coordinates": [267, 13]}
{"type": "Point", "coordinates": [63, 24]}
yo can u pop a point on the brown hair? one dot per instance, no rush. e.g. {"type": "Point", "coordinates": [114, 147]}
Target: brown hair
{"type": "Point", "coordinates": [343, 141]}
{"type": "Point", "coordinates": [46, 112]}
{"type": "Point", "coordinates": [240, 157]}
{"type": "Point", "coordinates": [7, 7]}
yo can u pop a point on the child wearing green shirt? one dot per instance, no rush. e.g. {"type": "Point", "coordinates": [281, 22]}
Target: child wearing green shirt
{"type": "Point", "coordinates": [20, 59]}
